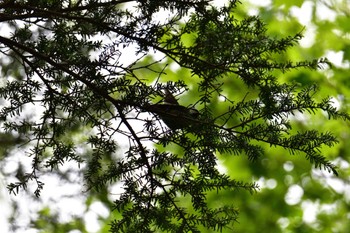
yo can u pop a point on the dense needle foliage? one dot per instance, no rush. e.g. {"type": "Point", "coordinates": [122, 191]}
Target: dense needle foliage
{"type": "Point", "coordinates": [69, 67]}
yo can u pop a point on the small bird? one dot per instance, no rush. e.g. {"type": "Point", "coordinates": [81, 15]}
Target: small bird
{"type": "Point", "coordinates": [174, 115]}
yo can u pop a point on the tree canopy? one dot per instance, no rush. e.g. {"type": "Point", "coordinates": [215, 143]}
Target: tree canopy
{"type": "Point", "coordinates": [85, 81]}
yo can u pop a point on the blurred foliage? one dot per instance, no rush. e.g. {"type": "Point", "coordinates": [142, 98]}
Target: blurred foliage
{"type": "Point", "coordinates": [327, 195]}
{"type": "Point", "coordinates": [81, 99]}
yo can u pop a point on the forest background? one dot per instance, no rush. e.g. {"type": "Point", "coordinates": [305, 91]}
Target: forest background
{"type": "Point", "coordinates": [293, 195]}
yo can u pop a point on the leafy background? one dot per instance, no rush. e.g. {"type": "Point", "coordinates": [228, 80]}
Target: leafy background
{"type": "Point", "coordinates": [293, 196]}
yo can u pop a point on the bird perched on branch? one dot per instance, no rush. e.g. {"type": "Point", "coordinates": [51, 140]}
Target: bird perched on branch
{"type": "Point", "coordinates": [175, 116]}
